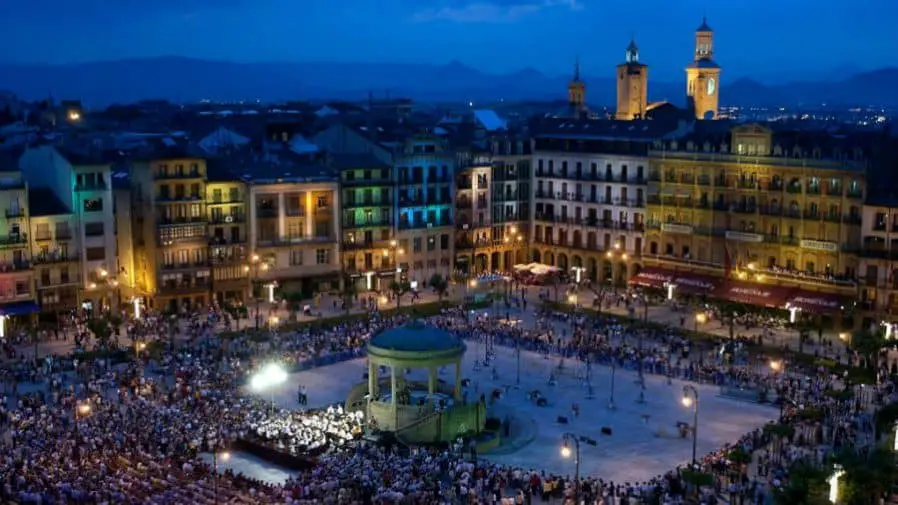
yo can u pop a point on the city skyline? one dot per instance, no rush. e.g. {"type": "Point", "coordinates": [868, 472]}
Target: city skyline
{"type": "Point", "coordinates": [489, 35]}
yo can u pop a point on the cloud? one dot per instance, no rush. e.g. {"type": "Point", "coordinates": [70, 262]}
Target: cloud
{"type": "Point", "coordinates": [495, 11]}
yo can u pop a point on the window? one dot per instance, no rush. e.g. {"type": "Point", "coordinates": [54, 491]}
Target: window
{"type": "Point", "coordinates": [93, 229]}
{"type": "Point", "coordinates": [21, 288]}
{"type": "Point", "coordinates": [322, 201]}
{"type": "Point", "coordinates": [296, 257]}
{"type": "Point", "coordinates": [93, 205]}
{"type": "Point", "coordinates": [216, 196]}
{"type": "Point", "coordinates": [322, 256]}
{"type": "Point", "coordinates": [416, 245]}
{"type": "Point", "coordinates": [95, 253]}
{"type": "Point", "coordinates": [444, 242]}
{"type": "Point", "coordinates": [431, 244]}
{"type": "Point", "coordinates": [195, 209]}
{"type": "Point", "coordinates": [43, 231]}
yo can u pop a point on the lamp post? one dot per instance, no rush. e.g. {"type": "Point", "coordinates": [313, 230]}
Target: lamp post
{"type": "Point", "coordinates": [692, 401]}
{"type": "Point", "coordinates": [611, 399]}
{"type": "Point", "coordinates": [392, 255]}
{"type": "Point", "coordinates": [82, 410]}
{"type": "Point", "coordinates": [268, 378]}
{"type": "Point", "coordinates": [225, 455]}
{"type": "Point", "coordinates": [255, 267]}
{"type": "Point", "coordinates": [616, 252]}
{"type": "Point", "coordinates": [568, 439]}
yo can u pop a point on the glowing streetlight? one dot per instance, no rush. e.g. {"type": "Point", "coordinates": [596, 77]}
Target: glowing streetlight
{"type": "Point", "coordinates": [700, 318]}
{"type": "Point", "coordinates": [268, 378]}
{"type": "Point", "coordinates": [776, 365]}
{"type": "Point", "coordinates": [833, 480]}
{"type": "Point", "coordinates": [566, 453]}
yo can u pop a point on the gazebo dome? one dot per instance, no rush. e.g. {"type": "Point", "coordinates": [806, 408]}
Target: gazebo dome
{"type": "Point", "coordinates": [416, 338]}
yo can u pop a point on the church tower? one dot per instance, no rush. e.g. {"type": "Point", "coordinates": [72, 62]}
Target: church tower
{"type": "Point", "coordinates": [576, 92]}
{"type": "Point", "coordinates": [703, 75]}
{"type": "Point", "coordinates": [632, 86]}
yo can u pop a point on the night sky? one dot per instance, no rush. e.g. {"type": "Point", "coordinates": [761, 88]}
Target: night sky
{"type": "Point", "coordinates": [771, 40]}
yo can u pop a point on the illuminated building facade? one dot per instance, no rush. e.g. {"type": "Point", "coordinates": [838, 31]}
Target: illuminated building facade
{"type": "Point", "coordinates": [226, 199]}
{"type": "Point", "coordinates": [780, 212]}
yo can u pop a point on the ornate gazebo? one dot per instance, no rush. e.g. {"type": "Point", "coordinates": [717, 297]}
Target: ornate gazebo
{"type": "Point", "coordinates": [429, 411]}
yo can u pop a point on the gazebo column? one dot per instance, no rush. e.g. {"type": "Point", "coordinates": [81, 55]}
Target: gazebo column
{"type": "Point", "coordinates": [458, 381]}
{"type": "Point", "coordinates": [393, 385]}
{"type": "Point", "coordinates": [372, 380]}
{"type": "Point", "coordinates": [431, 380]}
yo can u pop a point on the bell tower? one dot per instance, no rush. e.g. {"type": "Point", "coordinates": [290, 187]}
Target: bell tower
{"type": "Point", "coordinates": [703, 75]}
{"type": "Point", "coordinates": [576, 92]}
{"type": "Point", "coordinates": [632, 86]}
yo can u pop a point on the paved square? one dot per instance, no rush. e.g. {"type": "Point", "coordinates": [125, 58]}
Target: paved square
{"type": "Point", "coordinates": [633, 452]}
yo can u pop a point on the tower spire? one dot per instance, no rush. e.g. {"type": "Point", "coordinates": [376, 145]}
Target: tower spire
{"type": "Point", "coordinates": [577, 69]}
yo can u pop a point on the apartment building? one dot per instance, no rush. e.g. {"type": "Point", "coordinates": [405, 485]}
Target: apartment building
{"type": "Point", "coordinates": [81, 180]}
{"type": "Point", "coordinates": [368, 245]}
{"type": "Point", "coordinates": [169, 192]}
{"type": "Point", "coordinates": [778, 214]}
{"type": "Point", "coordinates": [589, 194]}
{"type": "Point", "coordinates": [512, 208]}
{"type": "Point", "coordinates": [226, 200]}
{"type": "Point", "coordinates": [424, 167]}
{"type": "Point", "coordinates": [294, 227]}
{"type": "Point", "coordinates": [878, 261]}
{"type": "Point", "coordinates": [55, 252]}
{"type": "Point", "coordinates": [17, 294]}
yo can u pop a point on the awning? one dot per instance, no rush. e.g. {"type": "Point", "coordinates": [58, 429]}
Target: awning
{"type": "Point", "coordinates": [695, 284]}
{"type": "Point", "coordinates": [652, 277]}
{"type": "Point", "coordinates": [18, 308]}
{"type": "Point", "coordinates": [753, 294]}
{"type": "Point", "coordinates": [820, 303]}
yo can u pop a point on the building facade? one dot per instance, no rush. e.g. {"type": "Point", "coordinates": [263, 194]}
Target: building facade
{"type": "Point", "coordinates": [17, 287]}
{"type": "Point", "coordinates": [294, 230]}
{"type": "Point", "coordinates": [764, 208]}
{"type": "Point", "coordinates": [368, 234]}
{"type": "Point", "coordinates": [589, 194]}
{"type": "Point", "coordinates": [54, 252]}
{"type": "Point", "coordinates": [226, 199]}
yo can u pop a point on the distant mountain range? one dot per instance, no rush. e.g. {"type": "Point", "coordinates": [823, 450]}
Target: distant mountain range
{"type": "Point", "coordinates": [190, 80]}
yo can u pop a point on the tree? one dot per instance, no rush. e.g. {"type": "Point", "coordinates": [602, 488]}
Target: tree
{"type": "Point", "coordinates": [294, 302]}
{"type": "Point", "coordinates": [102, 330]}
{"type": "Point", "coordinates": [866, 479]}
{"type": "Point", "coordinates": [349, 292]}
{"type": "Point", "coordinates": [440, 285]}
{"type": "Point", "coordinates": [806, 485]}
{"type": "Point", "coordinates": [868, 344]}
{"type": "Point", "coordinates": [399, 288]}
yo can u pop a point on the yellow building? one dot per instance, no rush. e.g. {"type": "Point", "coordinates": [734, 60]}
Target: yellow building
{"type": "Point", "coordinates": [703, 75]}
{"type": "Point", "coordinates": [632, 86]}
{"type": "Point", "coordinates": [16, 275]}
{"type": "Point", "coordinates": [54, 252]}
{"type": "Point", "coordinates": [294, 225]}
{"type": "Point", "coordinates": [226, 198]}
{"type": "Point", "coordinates": [169, 199]}
{"type": "Point", "coordinates": [771, 209]}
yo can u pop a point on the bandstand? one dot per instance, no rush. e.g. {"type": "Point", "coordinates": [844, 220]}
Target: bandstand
{"type": "Point", "coordinates": [417, 412]}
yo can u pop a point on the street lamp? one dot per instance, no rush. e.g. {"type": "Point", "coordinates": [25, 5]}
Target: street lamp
{"type": "Point", "coordinates": [225, 456]}
{"type": "Point", "coordinates": [568, 439]}
{"type": "Point", "coordinates": [82, 410]}
{"type": "Point", "coordinates": [268, 378]}
{"type": "Point", "coordinates": [700, 318]}
{"type": "Point", "coordinates": [692, 401]}
{"type": "Point", "coordinates": [253, 270]}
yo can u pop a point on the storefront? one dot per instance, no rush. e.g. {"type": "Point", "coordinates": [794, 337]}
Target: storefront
{"type": "Point", "coordinates": [762, 295]}
{"type": "Point", "coordinates": [652, 277]}
{"type": "Point", "coordinates": [819, 303]}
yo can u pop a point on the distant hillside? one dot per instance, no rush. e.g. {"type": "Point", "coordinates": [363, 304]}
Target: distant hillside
{"type": "Point", "coordinates": [188, 80]}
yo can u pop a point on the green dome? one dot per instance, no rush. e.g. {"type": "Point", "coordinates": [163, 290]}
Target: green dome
{"type": "Point", "coordinates": [416, 337]}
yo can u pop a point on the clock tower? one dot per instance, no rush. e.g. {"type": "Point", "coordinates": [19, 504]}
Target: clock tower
{"type": "Point", "coordinates": [632, 86]}
{"type": "Point", "coordinates": [703, 75]}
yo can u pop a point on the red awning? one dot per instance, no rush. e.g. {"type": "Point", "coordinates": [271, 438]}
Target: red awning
{"type": "Point", "coordinates": [696, 284]}
{"type": "Point", "coordinates": [821, 303]}
{"type": "Point", "coordinates": [764, 295]}
{"type": "Point", "coordinates": [652, 277]}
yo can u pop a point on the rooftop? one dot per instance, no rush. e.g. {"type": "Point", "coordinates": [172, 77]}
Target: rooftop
{"type": "Point", "coordinates": [416, 337]}
{"type": "Point", "coordinates": [346, 161]}
{"type": "Point", "coordinates": [590, 129]}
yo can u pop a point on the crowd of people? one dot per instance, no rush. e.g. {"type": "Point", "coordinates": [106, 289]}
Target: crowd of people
{"type": "Point", "coordinates": [96, 432]}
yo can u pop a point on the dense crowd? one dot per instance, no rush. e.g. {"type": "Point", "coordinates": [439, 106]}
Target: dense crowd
{"type": "Point", "coordinates": [145, 422]}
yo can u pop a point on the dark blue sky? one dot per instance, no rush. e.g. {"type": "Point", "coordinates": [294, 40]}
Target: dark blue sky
{"type": "Point", "coordinates": [772, 40]}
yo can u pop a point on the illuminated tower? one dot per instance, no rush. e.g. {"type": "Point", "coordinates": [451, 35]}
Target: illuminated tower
{"type": "Point", "coordinates": [632, 86]}
{"type": "Point", "coordinates": [703, 75]}
{"type": "Point", "coordinates": [576, 92]}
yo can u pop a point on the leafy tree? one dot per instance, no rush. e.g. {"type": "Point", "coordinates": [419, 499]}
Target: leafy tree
{"type": "Point", "coordinates": [440, 285]}
{"type": "Point", "coordinates": [102, 330]}
{"type": "Point", "coordinates": [868, 344]}
{"type": "Point", "coordinates": [866, 479]}
{"type": "Point", "coordinates": [807, 485]}
{"type": "Point", "coordinates": [399, 288]}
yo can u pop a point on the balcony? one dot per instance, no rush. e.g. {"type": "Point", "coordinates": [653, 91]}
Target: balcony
{"type": "Point", "coordinates": [14, 266]}
{"type": "Point", "coordinates": [183, 174]}
{"type": "Point", "coordinates": [854, 193]}
{"type": "Point", "coordinates": [405, 225]}
{"type": "Point", "coordinates": [53, 257]}
{"type": "Point", "coordinates": [811, 214]}
{"type": "Point", "coordinates": [15, 213]}
{"type": "Point", "coordinates": [373, 202]}
{"type": "Point", "coordinates": [813, 189]}
{"type": "Point", "coordinates": [224, 201]}
{"type": "Point", "coordinates": [411, 202]}
{"type": "Point", "coordinates": [43, 237]}
{"type": "Point", "coordinates": [794, 188]}
{"type": "Point", "coordinates": [219, 241]}
{"type": "Point", "coordinates": [747, 184]}
{"type": "Point", "coordinates": [166, 198]}
{"type": "Point", "coordinates": [180, 221]}
{"type": "Point", "coordinates": [266, 212]}
{"type": "Point", "coordinates": [16, 240]}
{"type": "Point", "coordinates": [835, 190]}
{"type": "Point", "coordinates": [64, 234]}
{"type": "Point", "coordinates": [775, 185]}
{"type": "Point", "coordinates": [176, 288]}
{"type": "Point", "coordinates": [228, 259]}
{"type": "Point", "coordinates": [227, 218]}
{"type": "Point", "coordinates": [366, 223]}
{"type": "Point", "coordinates": [294, 240]}
{"type": "Point", "coordinates": [190, 265]}
{"type": "Point", "coordinates": [361, 245]}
